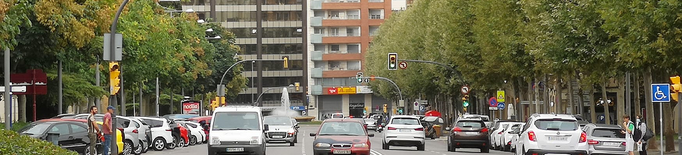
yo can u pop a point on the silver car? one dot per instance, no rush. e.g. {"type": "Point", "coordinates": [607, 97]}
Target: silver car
{"type": "Point", "coordinates": [403, 130]}
{"type": "Point", "coordinates": [605, 139]}
{"type": "Point", "coordinates": [371, 124]}
{"type": "Point", "coordinates": [136, 127]}
{"type": "Point", "coordinates": [281, 129]}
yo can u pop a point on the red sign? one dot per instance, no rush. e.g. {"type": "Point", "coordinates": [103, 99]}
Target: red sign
{"type": "Point", "coordinates": [332, 90]}
{"type": "Point", "coordinates": [190, 107]}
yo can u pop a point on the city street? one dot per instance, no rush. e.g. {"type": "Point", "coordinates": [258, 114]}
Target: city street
{"type": "Point", "coordinates": [304, 147]}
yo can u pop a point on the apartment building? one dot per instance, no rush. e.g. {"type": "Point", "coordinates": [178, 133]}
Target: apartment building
{"type": "Point", "coordinates": [340, 32]}
{"type": "Point", "coordinates": [265, 29]}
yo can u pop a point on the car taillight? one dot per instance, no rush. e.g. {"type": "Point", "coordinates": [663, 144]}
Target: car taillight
{"type": "Point", "coordinates": [135, 131]}
{"type": "Point", "coordinates": [484, 130]}
{"type": "Point", "coordinates": [583, 137]}
{"type": "Point", "coordinates": [592, 142]}
{"type": "Point", "coordinates": [531, 136]}
{"type": "Point", "coordinates": [169, 129]}
{"type": "Point", "coordinates": [456, 129]}
{"type": "Point", "coordinates": [419, 129]}
{"type": "Point", "coordinates": [391, 128]}
{"type": "Point", "coordinates": [499, 133]}
{"type": "Point", "coordinates": [622, 143]}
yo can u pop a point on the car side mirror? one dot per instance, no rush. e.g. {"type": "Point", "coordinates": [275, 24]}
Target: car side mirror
{"type": "Point", "coordinates": [266, 127]}
{"type": "Point", "coordinates": [313, 134]}
{"type": "Point", "coordinates": [370, 135]}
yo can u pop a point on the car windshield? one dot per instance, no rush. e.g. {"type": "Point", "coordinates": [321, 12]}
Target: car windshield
{"type": "Point", "coordinates": [405, 121]}
{"type": "Point", "coordinates": [35, 129]}
{"type": "Point", "coordinates": [236, 121]}
{"type": "Point", "coordinates": [342, 129]}
{"type": "Point", "coordinates": [556, 124]}
{"type": "Point", "coordinates": [276, 120]}
{"type": "Point", "coordinates": [337, 115]}
{"type": "Point", "coordinates": [469, 124]}
{"type": "Point", "coordinates": [608, 133]}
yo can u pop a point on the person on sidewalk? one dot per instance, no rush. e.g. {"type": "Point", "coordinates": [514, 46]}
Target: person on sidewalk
{"type": "Point", "coordinates": [93, 129]}
{"type": "Point", "coordinates": [641, 143]}
{"type": "Point", "coordinates": [108, 129]}
{"type": "Point", "coordinates": [629, 141]}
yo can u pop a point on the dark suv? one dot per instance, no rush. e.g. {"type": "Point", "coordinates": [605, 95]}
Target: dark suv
{"type": "Point", "coordinates": [469, 133]}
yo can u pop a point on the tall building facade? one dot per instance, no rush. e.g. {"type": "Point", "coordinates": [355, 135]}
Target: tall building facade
{"type": "Point", "coordinates": [265, 29]}
{"type": "Point", "coordinates": [340, 34]}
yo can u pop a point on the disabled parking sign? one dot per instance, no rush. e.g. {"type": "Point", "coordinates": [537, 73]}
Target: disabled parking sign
{"type": "Point", "coordinates": [660, 92]}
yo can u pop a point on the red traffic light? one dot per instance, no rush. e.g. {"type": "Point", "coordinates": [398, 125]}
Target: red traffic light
{"type": "Point", "coordinates": [392, 57]}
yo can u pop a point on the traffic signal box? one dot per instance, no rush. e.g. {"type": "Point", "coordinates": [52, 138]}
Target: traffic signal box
{"type": "Point", "coordinates": [393, 61]}
{"type": "Point", "coordinates": [675, 87]}
{"type": "Point", "coordinates": [215, 103]}
{"type": "Point", "coordinates": [465, 101]}
{"type": "Point", "coordinates": [385, 108]}
{"type": "Point", "coordinates": [114, 78]}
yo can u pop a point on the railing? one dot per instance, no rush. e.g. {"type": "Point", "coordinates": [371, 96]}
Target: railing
{"type": "Point", "coordinates": [375, 17]}
{"type": "Point", "coordinates": [376, 0]}
{"type": "Point", "coordinates": [353, 34]}
{"type": "Point", "coordinates": [353, 16]}
{"type": "Point", "coordinates": [342, 1]}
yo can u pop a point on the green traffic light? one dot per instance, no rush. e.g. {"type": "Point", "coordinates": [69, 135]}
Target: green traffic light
{"type": "Point", "coordinates": [466, 103]}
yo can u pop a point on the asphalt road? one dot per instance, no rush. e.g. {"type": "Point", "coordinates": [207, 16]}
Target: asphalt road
{"type": "Point", "coordinates": [304, 147]}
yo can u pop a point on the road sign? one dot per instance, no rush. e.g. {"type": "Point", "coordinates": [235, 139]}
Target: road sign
{"type": "Point", "coordinates": [421, 108]}
{"type": "Point", "coordinates": [416, 105]}
{"type": "Point", "coordinates": [493, 102]}
{"type": "Point", "coordinates": [15, 89]}
{"type": "Point", "coordinates": [118, 52]}
{"type": "Point", "coordinates": [403, 65]}
{"type": "Point", "coordinates": [660, 92]}
{"type": "Point", "coordinates": [500, 106]}
{"type": "Point", "coordinates": [465, 90]}
{"type": "Point", "coordinates": [304, 113]}
{"type": "Point", "coordinates": [500, 96]}
{"type": "Point", "coordinates": [492, 108]}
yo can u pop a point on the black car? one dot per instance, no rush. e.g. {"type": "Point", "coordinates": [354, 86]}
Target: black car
{"type": "Point", "coordinates": [69, 134]}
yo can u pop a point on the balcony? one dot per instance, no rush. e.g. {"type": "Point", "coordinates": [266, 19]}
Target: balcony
{"type": "Point", "coordinates": [316, 56]}
{"type": "Point", "coordinates": [342, 22]}
{"type": "Point", "coordinates": [316, 38]}
{"type": "Point", "coordinates": [342, 1]}
{"type": "Point", "coordinates": [316, 4]}
{"type": "Point", "coordinates": [341, 4]}
{"type": "Point", "coordinates": [315, 21]}
{"type": "Point", "coordinates": [340, 39]}
{"type": "Point", "coordinates": [316, 89]}
{"type": "Point", "coordinates": [339, 73]}
{"type": "Point", "coordinates": [316, 73]}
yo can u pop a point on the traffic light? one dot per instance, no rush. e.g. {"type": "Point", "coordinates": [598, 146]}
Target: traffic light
{"type": "Point", "coordinates": [400, 111]}
{"type": "Point", "coordinates": [215, 103]}
{"type": "Point", "coordinates": [298, 86]}
{"type": "Point", "coordinates": [465, 101]}
{"type": "Point", "coordinates": [114, 79]}
{"type": "Point", "coordinates": [286, 62]}
{"type": "Point", "coordinates": [385, 108]}
{"type": "Point", "coordinates": [675, 87]}
{"type": "Point", "coordinates": [392, 61]}
{"type": "Point", "coordinates": [358, 77]}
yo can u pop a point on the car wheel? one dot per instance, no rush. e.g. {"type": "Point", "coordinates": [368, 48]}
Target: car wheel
{"type": "Point", "coordinates": [296, 139]}
{"type": "Point", "coordinates": [292, 143]}
{"type": "Point", "coordinates": [145, 148]}
{"type": "Point", "coordinates": [139, 148]}
{"type": "Point", "coordinates": [193, 140]}
{"type": "Point", "coordinates": [127, 147]}
{"type": "Point", "coordinates": [420, 147]}
{"type": "Point", "coordinates": [485, 150]}
{"type": "Point", "coordinates": [384, 146]}
{"type": "Point", "coordinates": [450, 147]}
{"type": "Point", "coordinates": [159, 144]}
{"type": "Point", "coordinates": [87, 151]}
{"type": "Point", "coordinates": [173, 144]}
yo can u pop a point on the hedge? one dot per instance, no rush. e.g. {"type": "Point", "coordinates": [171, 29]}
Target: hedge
{"type": "Point", "coordinates": [11, 143]}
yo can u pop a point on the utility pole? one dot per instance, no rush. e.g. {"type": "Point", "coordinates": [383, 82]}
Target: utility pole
{"type": "Point", "coordinates": [157, 96]}
{"type": "Point", "coordinates": [98, 102]}
{"type": "Point", "coordinates": [7, 90]}
{"type": "Point", "coordinates": [61, 87]}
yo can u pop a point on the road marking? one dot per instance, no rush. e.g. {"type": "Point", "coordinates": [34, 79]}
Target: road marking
{"type": "Point", "coordinates": [303, 147]}
{"type": "Point", "coordinates": [373, 152]}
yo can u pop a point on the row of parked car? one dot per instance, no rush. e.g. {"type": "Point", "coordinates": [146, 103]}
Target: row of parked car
{"type": "Point", "coordinates": [541, 134]}
{"type": "Point", "coordinates": [135, 135]}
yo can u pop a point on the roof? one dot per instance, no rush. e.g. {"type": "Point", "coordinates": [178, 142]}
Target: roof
{"type": "Point", "coordinates": [341, 120]}
{"type": "Point", "coordinates": [470, 119]}
{"type": "Point", "coordinates": [63, 120]}
{"type": "Point", "coordinates": [562, 116]}
{"type": "Point", "coordinates": [238, 108]}
{"type": "Point", "coordinates": [606, 126]}
{"type": "Point", "coordinates": [406, 116]}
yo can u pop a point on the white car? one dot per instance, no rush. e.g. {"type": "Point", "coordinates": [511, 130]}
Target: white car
{"type": "Point", "coordinates": [197, 132]}
{"type": "Point", "coordinates": [508, 134]}
{"type": "Point", "coordinates": [404, 130]}
{"type": "Point", "coordinates": [515, 138]}
{"type": "Point", "coordinates": [496, 135]}
{"type": "Point", "coordinates": [552, 134]}
{"type": "Point", "coordinates": [237, 130]}
{"type": "Point", "coordinates": [162, 136]}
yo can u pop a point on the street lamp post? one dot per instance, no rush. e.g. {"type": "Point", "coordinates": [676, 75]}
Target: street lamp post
{"type": "Point", "coordinates": [264, 91]}
{"type": "Point", "coordinates": [220, 87]}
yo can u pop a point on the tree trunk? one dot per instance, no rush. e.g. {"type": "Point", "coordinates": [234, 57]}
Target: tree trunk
{"type": "Point", "coordinates": [537, 96]}
{"type": "Point", "coordinates": [620, 105]}
{"type": "Point", "coordinates": [559, 107]}
{"type": "Point", "coordinates": [22, 108]}
{"type": "Point", "coordinates": [545, 95]}
{"type": "Point", "coordinates": [570, 96]}
{"type": "Point", "coordinates": [668, 131]}
{"type": "Point", "coordinates": [607, 113]}
{"type": "Point", "coordinates": [520, 95]}
{"type": "Point", "coordinates": [637, 106]}
{"type": "Point", "coordinates": [650, 116]}
{"type": "Point", "coordinates": [593, 104]}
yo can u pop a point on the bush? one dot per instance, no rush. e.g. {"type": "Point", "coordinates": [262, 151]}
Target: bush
{"type": "Point", "coordinates": [14, 144]}
{"type": "Point", "coordinates": [18, 125]}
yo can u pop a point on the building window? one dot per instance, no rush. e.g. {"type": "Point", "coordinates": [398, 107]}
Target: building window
{"type": "Point", "coordinates": [243, 32]}
{"type": "Point", "coordinates": [376, 13]}
{"type": "Point", "coordinates": [235, 2]}
{"type": "Point", "coordinates": [236, 16]}
{"type": "Point", "coordinates": [353, 48]}
{"type": "Point", "coordinates": [354, 65]}
{"type": "Point", "coordinates": [373, 30]}
{"type": "Point", "coordinates": [333, 15]}
{"type": "Point", "coordinates": [272, 48]}
{"type": "Point", "coordinates": [276, 66]}
{"type": "Point", "coordinates": [334, 32]}
{"type": "Point", "coordinates": [281, 32]}
{"type": "Point", "coordinates": [319, 30]}
{"type": "Point", "coordinates": [281, 2]}
{"type": "Point", "coordinates": [282, 15]}
{"type": "Point", "coordinates": [334, 48]}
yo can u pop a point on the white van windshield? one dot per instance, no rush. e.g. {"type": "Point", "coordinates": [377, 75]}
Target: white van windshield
{"type": "Point", "coordinates": [236, 121]}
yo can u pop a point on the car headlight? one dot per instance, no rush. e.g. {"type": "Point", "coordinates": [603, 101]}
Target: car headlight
{"type": "Point", "coordinates": [215, 141]}
{"type": "Point", "coordinates": [361, 145]}
{"type": "Point", "coordinates": [322, 145]}
{"type": "Point", "coordinates": [255, 140]}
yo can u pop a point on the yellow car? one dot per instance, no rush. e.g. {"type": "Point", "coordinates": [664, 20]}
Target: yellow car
{"type": "Point", "coordinates": [119, 139]}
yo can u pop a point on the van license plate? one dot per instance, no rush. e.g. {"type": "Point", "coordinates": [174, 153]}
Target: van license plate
{"type": "Point", "coordinates": [240, 149]}
{"type": "Point", "coordinates": [341, 152]}
{"type": "Point", "coordinates": [277, 137]}
{"type": "Point", "coordinates": [405, 130]}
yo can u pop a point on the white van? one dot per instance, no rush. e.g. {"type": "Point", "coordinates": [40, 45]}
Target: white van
{"type": "Point", "coordinates": [237, 129]}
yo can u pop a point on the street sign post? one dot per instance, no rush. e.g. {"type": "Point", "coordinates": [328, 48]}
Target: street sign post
{"type": "Point", "coordinates": [493, 102]}
{"type": "Point", "coordinates": [465, 90]}
{"type": "Point", "coordinates": [403, 65]}
{"type": "Point", "coordinates": [416, 105]}
{"type": "Point", "coordinates": [500, 106]}
{"type": "Point", "coordinates": [660, 93]}
{"type": "Point", "coordinates": [500, 96]}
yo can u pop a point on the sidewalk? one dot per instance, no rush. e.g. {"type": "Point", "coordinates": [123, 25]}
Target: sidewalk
{"type": "Point", "coordinates": [658, 152]}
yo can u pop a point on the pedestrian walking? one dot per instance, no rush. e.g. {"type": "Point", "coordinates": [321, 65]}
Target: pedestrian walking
{"type": "Point", "coordinates": [93, 130]}
{"type": "Point", "coordinates": [108, 129]}
{"type": "Point", "coordinates": [641, 143]}
{"type": "Point", "coordinates": [629, 141]}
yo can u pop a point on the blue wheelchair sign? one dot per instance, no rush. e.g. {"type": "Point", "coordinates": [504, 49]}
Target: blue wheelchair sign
{"type": "Point", "coordinates": [500, 106]}
{"type": "Point", "coordinates": [660, 92]}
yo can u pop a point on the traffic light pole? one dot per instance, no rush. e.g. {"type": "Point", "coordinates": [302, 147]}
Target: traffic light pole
{"type": "Point", "coordinates": [389, 80]}
{"type": "Point", "coordinates": [220, 92]}
{"type": "Point", "coordinates": [113, 58]}
{"type": "Point", "coordinates": [457, 73]}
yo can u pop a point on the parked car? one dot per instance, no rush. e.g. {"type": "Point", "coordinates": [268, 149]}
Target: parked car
{"type": "Point", "coordinates": [515, 138]}
{"type": "Point", "coordinates": [196, 131]}
{"type": "Point", "coordinates": [179, 133]}
{"type": "Point", "coordinates": [161, 133]}
{"type": "Point", "coordinates": [281, 129]}
{"type": "Point", "coordinates": [205, 122]}
{"type": "Point", "coordinates": [371, 124]}
{"type": "Point", "coordinates": [469, 133]}
{"type": "Point", "coordinates": [508, 134]}
{"type": "Point", "coordinates": [136, 128]}
{"type": "Point", "coordinates": [341, 136]}
{"type": "Point", "coordinates": [497, 135]}
{"type": "Point", "coordinates": [189, 141]}
{"type": "Point", "coordinates": [552, 134]}
{"type": "Point", "coordinates": [71, 135]}
{"type": "Point", "coordinates": [180, 116]}
{"type": "Point", "coordinates": [403, 130]}
{"type": "Point", "coordinates": [119, 136]}
{"type": "Point", "coordinates": [147, 132]}
{"type": "Point", "coordinates": [131, 138]}
{"type": "Point", "coordinates": [605, 139]}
